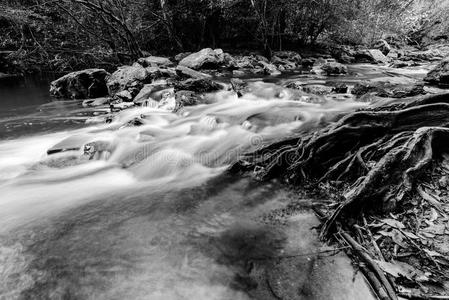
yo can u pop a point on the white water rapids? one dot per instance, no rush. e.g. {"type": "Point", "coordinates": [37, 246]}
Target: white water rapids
{"type": "Point", "coordinates": [129, 212]}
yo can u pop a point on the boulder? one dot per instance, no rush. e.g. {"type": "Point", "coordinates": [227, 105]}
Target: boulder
{"type": "Point", "coordinates": [334, 68]}
{"type": "Point", "coordinates": [155, 61]}
{"type": "Point", "coordinates": [206, 58]}
{"type": "Point", "coordinates": [90, 83]}
{"type": "Point", "coordinates": [198, 85]}
{"type": "Point", "coordinates": [371, 56]}
{"type": "Point", "coordinates": [377, 56]}
{"type": "Point", "coordinates": [440, 74]}
{"type": "Point", "coordinates": [126, 78]}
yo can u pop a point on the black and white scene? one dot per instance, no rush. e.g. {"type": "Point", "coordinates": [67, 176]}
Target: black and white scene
{"type": "Point", "coordinates": [224, 149]}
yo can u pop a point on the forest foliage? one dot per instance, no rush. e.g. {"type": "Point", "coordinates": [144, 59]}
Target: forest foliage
{"type": "Point", "coordinates": [101, 30]}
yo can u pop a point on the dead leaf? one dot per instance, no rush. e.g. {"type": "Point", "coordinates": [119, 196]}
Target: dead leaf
{"type": "Point", "coordinates": [432, 253]}
{"type": "Point", "coordinates": [435, 229]}
{"type": "Point", "coordinates": [393, 223]}
{"type": "Point", "coordinates": [410, 235]}
{"type": "Point", "coordinates": [434, 214]}
{"type": "Point", "coordinates": [398, 269]}
{"type": "Point", "coordinates": [431, 199]}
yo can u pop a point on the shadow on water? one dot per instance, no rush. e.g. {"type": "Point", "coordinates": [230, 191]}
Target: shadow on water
{"type": "Point", "coordinates": [194, 243]}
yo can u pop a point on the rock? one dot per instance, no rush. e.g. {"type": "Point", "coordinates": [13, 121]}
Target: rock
{"type": "Point", "coordinates": [72, 143]}
{"type": "Point", "coordinates": [198, 85]}
{"type": "Point", "coordinates": [371, 56]}
{"type": "Point", "coordinates": [239, 86]}
{"type": "Point", "coordinates": [340, 88]}
{"type": "Point", "coordinates": [440, 74]}
{"type": "Point", "coordinates": [181, 56]}
{"type": "Point", "coordinates": [283, 64]}
{"type": "Point", "coordinates": [206, 58]}
{"type": "Point", "coordinates": [144, 93]}
{"type": "Point", "coordinates": [308, 62]}
{"type": "Point", "coordinates": [377, 56]}
{"type": "Point", "coordinates": [127, 77]}
{"type": "Point", "coordinates": [96, 102]}
{"type": "Point", "coordinates": [334, 68]}
{"type": "Point", "coordinates": [186, 98]}
{"type": "Point", "coordinates": [150, 91]}
{"type": "Point", "coordinates": [288, 55]}
{"type": "Point", "coordinates": [383, 46]}
{"type": "Point", "coordinates": [427, 55]}
{"type": "Point", "coordinates": [393, 54]}
{"type": "Point", "coordinates": [187, 72]}
{"type": "Point", "coordinates": [251, 62]}
{"type": "Point", "coordinates": [125, 96]}
{"type": "Point", "coordinates": [269, 69]}
{"type": "Point", "coordinates": [238, 73]}
{"type": "Point", "coordinates": [229, 61]}
{"type": "Point", "coordinates": [168, 103]}
{"type": "Point", "coordinates": [246, 62]}
{"type": "Point", "coordinates": [388, 90]}
{"type": "Point", "coordinates": [296, 85]}
{"type": "Point", "coordinates": [317, 89]}
{"type": "Point", "coordinates": [155, 61]}
{"type": "Point", "coordinates": [90, 83]}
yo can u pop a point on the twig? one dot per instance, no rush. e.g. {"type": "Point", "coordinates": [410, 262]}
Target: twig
{"type": "Point", "coordinates": [416, 296]}
{"type": "Point", "coordinates": [371, 263]}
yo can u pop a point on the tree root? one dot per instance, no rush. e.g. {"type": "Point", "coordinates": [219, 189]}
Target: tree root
{"type": "Point", "coordinates": [379, 153]}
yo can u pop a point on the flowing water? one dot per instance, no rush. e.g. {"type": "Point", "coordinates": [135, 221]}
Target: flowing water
{"type": "Point", "coordinates": [118, 211]}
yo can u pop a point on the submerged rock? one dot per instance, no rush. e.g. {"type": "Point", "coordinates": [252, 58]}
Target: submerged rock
{"type": "Point", "coordinates": [440, 74]}
{"type": "Point", "coordinates": [96, 102]}
{"type": "Point", "coordinates": [206, 58]}
{"type": "Point", "coordinates": [89, 83]}
{"type": "Point", "coordinates": [239, 86]}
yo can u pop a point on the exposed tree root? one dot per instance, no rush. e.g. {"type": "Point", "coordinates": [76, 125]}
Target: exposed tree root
{"type": "Point", "coordinates": [380, 153]}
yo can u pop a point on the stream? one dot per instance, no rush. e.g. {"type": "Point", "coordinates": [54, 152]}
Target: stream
{"type": "Point", "coordinates": [117, 211]}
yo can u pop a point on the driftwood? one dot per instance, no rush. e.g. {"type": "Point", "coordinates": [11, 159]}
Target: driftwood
{"type": "Point", "coordinates": [379, 153]}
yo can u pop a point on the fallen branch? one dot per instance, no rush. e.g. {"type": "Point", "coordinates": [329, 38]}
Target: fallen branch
{"type": "Point", "coordinates": [379, 274]}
